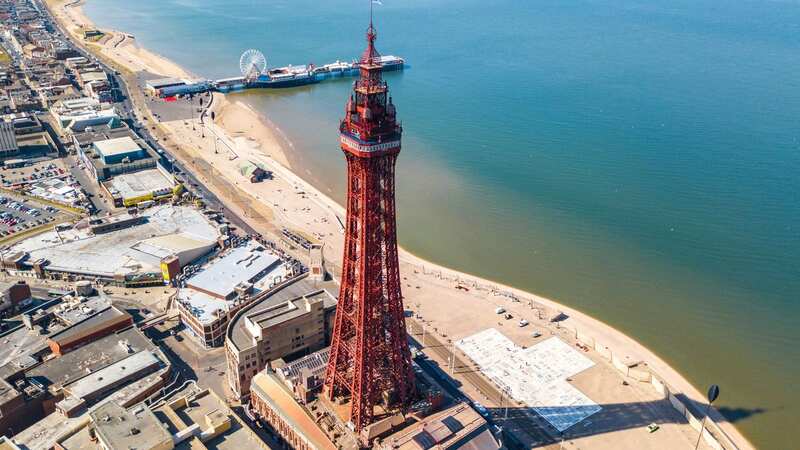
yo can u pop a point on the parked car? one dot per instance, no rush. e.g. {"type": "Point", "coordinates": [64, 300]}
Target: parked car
{"type": "Point", "coordinates": [481, 409]}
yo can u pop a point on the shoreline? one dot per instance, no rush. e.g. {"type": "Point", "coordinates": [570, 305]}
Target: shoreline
{"type": "Point", "coordinates": [245, 127]}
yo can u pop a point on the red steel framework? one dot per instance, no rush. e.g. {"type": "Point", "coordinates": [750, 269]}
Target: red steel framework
{"type": "Point", "coordinates": [370, 360]}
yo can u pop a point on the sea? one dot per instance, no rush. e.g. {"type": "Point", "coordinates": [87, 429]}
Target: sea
{"type": "Point", "coordinates": [635, 159]}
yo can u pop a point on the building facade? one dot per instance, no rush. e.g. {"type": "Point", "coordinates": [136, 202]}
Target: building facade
{"type": "Point", "coordinates": [281, 326]}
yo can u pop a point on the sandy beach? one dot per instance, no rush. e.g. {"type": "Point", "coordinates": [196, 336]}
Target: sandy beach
{"type": "Point", "coordinates": [240, 136]}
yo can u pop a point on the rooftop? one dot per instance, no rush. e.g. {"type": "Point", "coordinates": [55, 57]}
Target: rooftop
{"type": "Point", "coordinates": [77, 103]}
{"type": "Point", "coordinates": [272, 392]}
{"type": "Point", "coordinates": [241, 264]}
{"type": "Point", "coordinates": [101, 133]}
{"type": "Point", "coordinates": [206, 307]}
{"type": "Point", "coordinates": [117, 146]}
{"type": "Point", "coordinates": [55, 427]}
{"type": "Point", "coordinates": [121, 428]}
{"type": "Point", "coordinates": [535, 376]}
{"type": "Point", "coordinates": [456, 427]}
{"type": "Point", "coordinates": [23, 342]}
{"type": "Point", "coordinates": [282, 312]}
{"type": "Point", "coordinates": [164, 82]}
{"type": "Point", "coordinates": [143, 182]}
{"type": "Point", "coordinates": [124, 251]}
{"type": "Point", "coordinates": [99, 319]}
{"type": "Point", "coordinates": [204, 408]}
{"type": "Point", "coordinates": [237, 330]}
{"type": "Point", "coordinates": [109, 376]}
{"type": "Point", "coordinates": [58, 372]}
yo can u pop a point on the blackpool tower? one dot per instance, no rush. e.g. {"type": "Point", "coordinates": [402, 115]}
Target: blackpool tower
{"type": "Point", "coordinates": [370, 362]}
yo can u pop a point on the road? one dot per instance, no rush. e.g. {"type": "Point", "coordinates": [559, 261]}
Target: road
{"type": "Point", "coordinates": [208, 367]}
{"type": "Point", "coordinates": [127, 111]}
{"type": "Point", "coordinates": [523, 421]}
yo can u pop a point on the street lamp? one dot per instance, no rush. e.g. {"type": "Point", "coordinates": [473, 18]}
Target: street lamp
{"type": "Point", "coordinates": [191, 110]}
{"type": "Point", "coordinates": [202, 122]}
{"type": "Point", "coordinates": [713, 393]}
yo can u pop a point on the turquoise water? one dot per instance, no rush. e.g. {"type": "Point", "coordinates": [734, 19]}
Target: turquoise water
{"type": "Point", "coordinates": [637, 160]}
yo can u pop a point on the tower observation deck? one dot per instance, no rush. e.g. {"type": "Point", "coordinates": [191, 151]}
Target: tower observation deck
{"type": "Point", "coordinates": [370, 362]}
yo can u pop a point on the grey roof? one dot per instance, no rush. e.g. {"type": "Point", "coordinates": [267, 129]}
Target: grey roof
{"type": "Point", "coordinates": [123, 429]}
{"type": "Point", "coordinates": [8, 140]}
{"type": "Point", "coordinates": [284, 312]}
{"type": "Point", "coordinates": [313, 363]}
{"type": "Point", "coordinates": [90, 358]}
{"type": "Point", "coordinates": [90, 325]}
{"type": "Point", "coordinates": [108, 377]}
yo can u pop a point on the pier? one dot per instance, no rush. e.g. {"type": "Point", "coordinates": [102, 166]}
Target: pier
{"type": "Point", "coordinates": [255, 75]}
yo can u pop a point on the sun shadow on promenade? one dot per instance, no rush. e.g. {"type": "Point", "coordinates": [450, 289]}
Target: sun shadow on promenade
{"type": "Point", "coordinates": [528, 428]}
{"type": "Point", "coordinates": [523, 427]}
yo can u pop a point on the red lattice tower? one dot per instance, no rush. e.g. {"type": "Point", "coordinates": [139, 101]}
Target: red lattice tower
{"type": "Point", "coordinates": [370, 361]}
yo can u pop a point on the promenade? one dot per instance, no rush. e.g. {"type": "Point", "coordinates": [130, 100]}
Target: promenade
{"type": "Point", "coordinates": [453, 305]}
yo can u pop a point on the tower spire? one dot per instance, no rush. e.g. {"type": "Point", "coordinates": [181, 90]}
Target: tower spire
{"type": "Point", "coordinates": [371, 55]}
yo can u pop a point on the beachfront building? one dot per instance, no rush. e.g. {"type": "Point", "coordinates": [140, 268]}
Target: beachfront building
{"type": "Point", "coordinates": [153, 86]}
{"type": "Point", "coordinates": [168, 87]}
{"type": "Point", "coordinates": [458, 426]}
{"type": "Point", "coordinates": [109, 157]}
{"type": "Point", "coordinates": [209, 297]}
{"type": "Point", "coordinates": [291, 322]}
{"type": "Point", "coordinates": [131, 189]}
{"type": "Point", "coordinates": [147, 249]}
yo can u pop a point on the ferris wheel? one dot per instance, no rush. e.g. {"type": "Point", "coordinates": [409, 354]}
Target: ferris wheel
{"type": "Point", "coordinates": [252, 63]}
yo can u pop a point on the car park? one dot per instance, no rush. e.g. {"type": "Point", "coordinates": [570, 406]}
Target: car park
{"type": "Point", "coordinates": [17, 215]}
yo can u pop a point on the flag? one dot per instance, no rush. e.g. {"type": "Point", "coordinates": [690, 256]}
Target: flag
{"type": "Point", "coordinates": [377, 2]}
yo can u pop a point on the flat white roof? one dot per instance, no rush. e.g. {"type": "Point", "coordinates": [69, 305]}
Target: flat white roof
{"type": "Point", "coordinates": [79, 103]}
{"type": "Point", "coordinates": [93, 76]}
{"type": "Point", "coordinates": [117, 146]}
{"type": "Point", "coordinates": [136, 184]}
{"type": "Point", "coordinates": [170, 244]}
{"type": "Point", "coordinates": [107, 376]}
{"type": "Point", "coordinates": [119, 252]}
{"type": "Point", "coordinates": [535, 376]}
{"type": "Point", "coordinates": [239, 265]}
{"type": "Point", "coordinates": [205, 307]}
